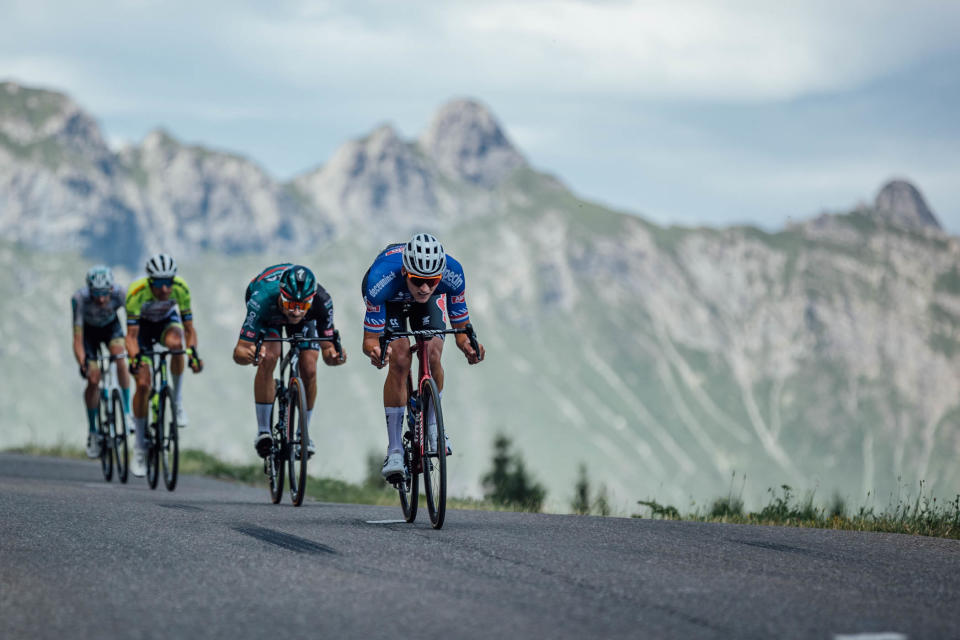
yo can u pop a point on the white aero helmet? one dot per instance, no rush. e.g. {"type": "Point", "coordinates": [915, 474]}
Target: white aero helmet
{"type": "Point", "coordinates": [161, 265]}
{"type": "Point", "coordinates": [100, 278]}
{"type": "Point", "coordinates": [423, 256]}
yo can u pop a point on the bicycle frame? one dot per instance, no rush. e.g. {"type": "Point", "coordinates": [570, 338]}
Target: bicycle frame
{"type": "Point", "coordinates": [112, 441]}
{"type": "Point", "coordinates": [291, 360]}
{"type": "Point", "coordinates": [422, 348]}
{"type": "Point", "coordinates": [156, 442]}
{"type": "Point", "coordinates": [282, 434]}
{"type": "Point", "coordinates": [418, 459]}
{"type": "Point", "coordinates": [159, 372]}
{"type": "Point", "coordinates": [108, 375]}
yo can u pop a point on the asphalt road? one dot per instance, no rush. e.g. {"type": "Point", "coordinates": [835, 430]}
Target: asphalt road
{"type": "Point", "coordinates": [80, 558]}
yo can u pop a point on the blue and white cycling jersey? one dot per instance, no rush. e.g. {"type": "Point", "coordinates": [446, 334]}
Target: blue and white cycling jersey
{"type": "Point", "coordinates": [384, 283]}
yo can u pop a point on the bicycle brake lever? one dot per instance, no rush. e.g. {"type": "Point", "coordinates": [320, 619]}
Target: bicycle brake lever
{"type": "Point", "coordinates": [383, 346]}
{"type": "Point", "coordinates": [256, 353]}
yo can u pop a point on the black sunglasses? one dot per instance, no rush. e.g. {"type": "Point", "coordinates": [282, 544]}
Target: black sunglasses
{"type": "Point", "coordinates": [161, 282]}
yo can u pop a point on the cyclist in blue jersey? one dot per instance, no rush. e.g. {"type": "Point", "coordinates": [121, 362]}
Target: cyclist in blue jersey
{"type": "Point", "coordinates": [285, 296]}
{"type": "Point", "coordinates": [95, 322]}
{"type": "Point", "coordinates": [420, 282]}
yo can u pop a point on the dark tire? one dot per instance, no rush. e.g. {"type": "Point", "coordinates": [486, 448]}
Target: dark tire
{"type": "Point", "coordinates": [409, 488]}
{"type": "Point", "coordinates": [276, 460]}
{"type": "Point", "coordinates": [103, 433]}
{"type": "Point", "coordinates": [434, 464]}
{"type": "Point", "coordinates": [119, 428]}
{"type": "Point", "coordinates": [298, 439]}
{"type": "Point", "coordinates": [169, 441]}
{"type": "Point", "coordinates": [153, 445]}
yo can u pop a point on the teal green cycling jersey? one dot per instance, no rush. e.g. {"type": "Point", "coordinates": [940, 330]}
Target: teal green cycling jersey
{"type": "Point", "coordinates": [263, 306]}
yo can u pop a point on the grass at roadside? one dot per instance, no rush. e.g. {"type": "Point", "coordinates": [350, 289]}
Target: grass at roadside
{"type": "Point", "coordinates": [372, 491]}
{"type": "Point", "coordinates": [917, 516]}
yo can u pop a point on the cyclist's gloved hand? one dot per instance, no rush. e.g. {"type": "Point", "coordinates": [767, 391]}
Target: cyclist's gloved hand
{"type": "Point", "coordinates": [196, 364]}
{"type": "Point", "coordinates": [134, 365]}
{"type": "Point", "coordinates": [83, 371]}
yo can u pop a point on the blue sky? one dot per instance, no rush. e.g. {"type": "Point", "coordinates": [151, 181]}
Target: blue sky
{"type": "Point", "coordinates": [687, 112]}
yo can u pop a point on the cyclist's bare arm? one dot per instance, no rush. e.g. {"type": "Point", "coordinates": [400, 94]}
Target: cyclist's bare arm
{"type": "Point", "coordinates": [244, 352]}
{"type": "Point", "coordinates": [190, 334]}
{"type": "Point", "coordinates": [371, 348]}
{"type": "Point", "coordinates": [330, 355]}
{"type": "Point", "coordinates": [463, 343]}
{"type": "Point", "coordinates": [78, 351]}
{"type": "Point", "coordinates": [190, 341]}
{"type": "Point", "coordinates": [133, 331]}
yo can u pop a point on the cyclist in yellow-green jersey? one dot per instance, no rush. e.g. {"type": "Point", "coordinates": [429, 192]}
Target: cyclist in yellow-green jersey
{"type": "Point", "coordinates": [158, 310]}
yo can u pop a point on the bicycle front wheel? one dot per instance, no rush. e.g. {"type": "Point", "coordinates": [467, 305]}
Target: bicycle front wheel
{"type": "Point", "coordinates": [169, 440]}
{"type": "Point", "coordinates": [106, 442]}
{"type": "Point", "coordinates": [275, 462]}
{"type": "Point", "coordinates": [153, 443]}
{"type": "Point", "coordinates": [119, 437]}
{"type": "Point", "coordinates": [435, 462]}
{"type": "Point", "coordinates": [409, 487]}
{"type": "Point", "coordinates": [297, 440]}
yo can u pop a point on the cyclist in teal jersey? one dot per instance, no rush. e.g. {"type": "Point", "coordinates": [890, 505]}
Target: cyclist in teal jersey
{"type": "Point", "coordinates": [285, 297]}
{"type": "Point", "coordinates": [95, 322]}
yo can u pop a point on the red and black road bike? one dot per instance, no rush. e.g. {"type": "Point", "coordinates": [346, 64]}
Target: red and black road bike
{"type": "Point", "coordinates": [423, 453]}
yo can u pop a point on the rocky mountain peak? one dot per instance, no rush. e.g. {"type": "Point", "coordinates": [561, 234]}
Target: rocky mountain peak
{"type": "Point", "coordinates": [31, 116]}
{"type": "Point", "coordinates": [467, 143]}
{"type": "Point", "coordinates": [903, 204]}
{"type": "Point", "coordinates": [379, 177]}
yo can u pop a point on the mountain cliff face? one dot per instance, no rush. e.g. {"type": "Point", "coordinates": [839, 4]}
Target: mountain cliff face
{"type": "Point", "coordinates": [825, 356]}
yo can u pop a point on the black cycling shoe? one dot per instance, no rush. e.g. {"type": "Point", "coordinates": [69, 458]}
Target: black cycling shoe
{"type": "Point", "coordinates": [263, 444]}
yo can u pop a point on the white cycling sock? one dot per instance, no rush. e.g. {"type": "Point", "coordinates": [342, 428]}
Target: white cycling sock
{"type": "Point", "coordinates": [176, 383]}
{"type": "Point", "coordinates": [394, 428]}
{"type": "Point", "coordinates": [432, 411]}
{"type": "Point", "coordinates": [309, 415]}
{"type": "Point", "coordinates": [263, 416]}
{"type": "Point", "coordinates": [140, 426]}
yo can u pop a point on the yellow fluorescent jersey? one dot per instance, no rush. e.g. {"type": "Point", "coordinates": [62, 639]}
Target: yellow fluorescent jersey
{"type": "Point", "coordinates": [142, 305]}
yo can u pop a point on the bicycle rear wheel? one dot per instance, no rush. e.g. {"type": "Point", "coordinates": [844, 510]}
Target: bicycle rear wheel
{"type": "Point", "coordinates": [275, 461]}
{"type": "Point", "coordinates": [297, 440]}
{"type": "Point", "coordinates": [119, 437]}
{"type": "Point", "coordinates": [153, 443]}
{"type": "Point", "coordinates": [103, 433]}
{"type": "Point", "coordinates": [169, 440]}
{"type": "Point", "coordinates": [434, 463]}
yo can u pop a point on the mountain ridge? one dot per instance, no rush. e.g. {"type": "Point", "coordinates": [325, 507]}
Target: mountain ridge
{"type": "Point", "coordinates": [826, 354]}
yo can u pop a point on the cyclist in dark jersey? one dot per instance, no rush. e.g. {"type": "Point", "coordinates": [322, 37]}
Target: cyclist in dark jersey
{"type": "Point", "coordinates": [285, 297]}
{"type": "Point", "coordinates": [95, 322]}
{"type": "Point", "coordinates": [420, 282]}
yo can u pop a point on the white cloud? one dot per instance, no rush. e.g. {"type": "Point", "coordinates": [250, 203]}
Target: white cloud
{"type": "Point", "coordinates": [745, 50]}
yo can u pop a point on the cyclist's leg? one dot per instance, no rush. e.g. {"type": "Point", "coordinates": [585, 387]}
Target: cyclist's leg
{"type": "Point", "coordinates": [309, 354]}
{"type": "Point", "coordinates": [172, 338]}
{"type": "Point", "coordinates": [117, 347]}
{"type": "Point", "coordinates": [395, 389]}
{"type": "Point", "coordinates": [432, 315]}
{"type": "Point", "coordinates": [148, 334]}
{"type": "Point", "coordinates": [91, 346]}
{"type": "Point", "coordinates": [264, 391]}
{"type": "Point", "coordinates": [91, 394]}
